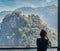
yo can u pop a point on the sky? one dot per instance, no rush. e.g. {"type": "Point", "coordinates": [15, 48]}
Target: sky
{"type": "Point", "coordinates": [11, 5]}
{"type": "Point", "coordinates": [14, 4]}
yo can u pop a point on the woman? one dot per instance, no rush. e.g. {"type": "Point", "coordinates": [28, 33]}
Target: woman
{"type": "Point", "coordinates": [42, 43]}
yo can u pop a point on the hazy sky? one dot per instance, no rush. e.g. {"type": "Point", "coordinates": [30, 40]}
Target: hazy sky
{"type": "Point", "coordinates": [14, 4]}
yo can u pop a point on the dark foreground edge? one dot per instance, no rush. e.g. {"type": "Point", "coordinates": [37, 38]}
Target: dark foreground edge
{"type": "Point", "coordinates": [1, 48]}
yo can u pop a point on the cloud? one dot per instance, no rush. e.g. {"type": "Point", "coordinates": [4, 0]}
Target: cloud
{"type": "Point", "coordinates": [5, 7]}
{"type": "Point", "coordinates": [13, 4]}
{"type": "Point", "coordinates": [24, 4]}
{"type": "Point", "coordinates": [33, 6]}
{"type": "Point", "coordinates": [48, 0]}
{"type": "Point", "coordinates": [56, 5]}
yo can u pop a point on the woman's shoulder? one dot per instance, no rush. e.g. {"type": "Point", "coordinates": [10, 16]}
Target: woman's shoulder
{"type": "Point", "coordinates": [38, 38]}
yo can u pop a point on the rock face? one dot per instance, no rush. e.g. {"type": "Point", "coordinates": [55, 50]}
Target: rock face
{"type": "Point", "coordinates": [2, 14]}
{"type": "Point", "coordinates": [20, 30]}
{"type": "Point", "coordinates": [48, 14]}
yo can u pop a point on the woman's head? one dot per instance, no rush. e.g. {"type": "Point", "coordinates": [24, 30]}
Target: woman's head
{"type": "Point", "coordinates": [43, 33]}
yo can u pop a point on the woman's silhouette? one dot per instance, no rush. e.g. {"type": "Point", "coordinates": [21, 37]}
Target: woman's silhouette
{"type": "Point", "coordinates": [42, 43]}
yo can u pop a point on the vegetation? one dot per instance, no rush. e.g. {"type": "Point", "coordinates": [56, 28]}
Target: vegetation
{"type": "Point", "coordinates": [21, 30]}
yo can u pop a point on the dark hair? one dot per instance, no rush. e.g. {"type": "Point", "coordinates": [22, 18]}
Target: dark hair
{"type": "Point", "coordinates": [43, 33]}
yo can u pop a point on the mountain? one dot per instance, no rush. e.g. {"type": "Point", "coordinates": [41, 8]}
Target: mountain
{"type": "Point", "coordinates": [48, 14]}
{"type": "Point", "coordinates": [3, 13]}
{"type": "Point", "coordinates": [21, 30]}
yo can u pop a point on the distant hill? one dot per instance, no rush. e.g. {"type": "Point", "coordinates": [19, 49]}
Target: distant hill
{"type": "Point", "coordinates": [48, 14]}
{"type": "Point", "coordinates": [20, 30]}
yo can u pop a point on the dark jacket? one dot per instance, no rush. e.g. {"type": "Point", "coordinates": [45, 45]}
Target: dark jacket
{"type": "Point", "coordinates": [42, 44]}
